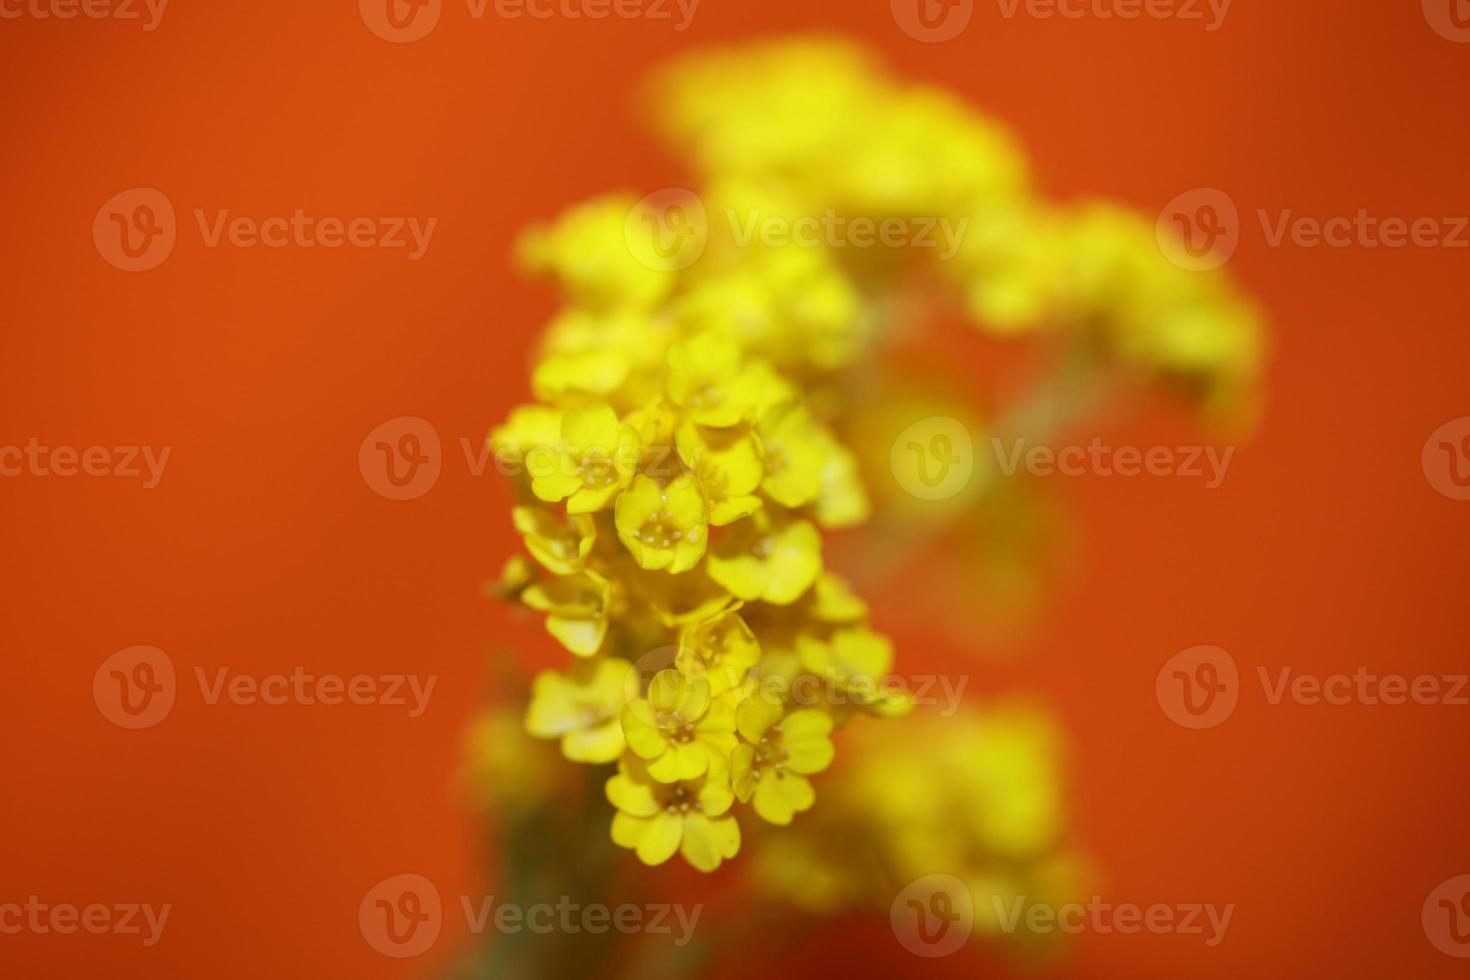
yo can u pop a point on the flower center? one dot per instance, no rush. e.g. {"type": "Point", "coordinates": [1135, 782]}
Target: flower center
{"type": "Point", "coordinates": [659, 531]}
{"type": "Point", "coordinates": [595, 469]}
{"type": "Point", "coordinates": [681, 801]}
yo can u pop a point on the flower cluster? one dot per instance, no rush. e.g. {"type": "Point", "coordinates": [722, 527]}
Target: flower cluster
{"type": "Point", "coordinates": [674, 484]}
{"type": "Point", "coordinates": [974, 796]}
{"type": "Point", "coordinates": [683, 457]}
{"type": "Point", "coordinates": [817, 125]}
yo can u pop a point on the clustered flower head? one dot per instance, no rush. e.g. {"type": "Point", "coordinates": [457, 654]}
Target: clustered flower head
{"type": "Point", "coordinates": [674, 487]}
{"type": "Point", "coordinates": [681, 462]}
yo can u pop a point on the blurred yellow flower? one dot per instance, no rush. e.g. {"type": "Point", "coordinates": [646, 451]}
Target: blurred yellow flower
{"type": "Point", "coordinates": [774, 560]}
{"type": "Point", "coordinates": [583, 708]}
{"type": "Point", "coordinates": [577, 608]}
{"type": "Point", "coordinates": [722, 650]}
{"type": "Point", "coordinates": [560, 547]}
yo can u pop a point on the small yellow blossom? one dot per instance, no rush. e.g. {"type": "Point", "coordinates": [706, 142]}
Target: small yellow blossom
{"type": "Point", "coordinates": [728, 465]}
{"type": "Point", "coordinates": [583, 708]}
{"type": "Point", "coordinates": [560, 547]}
{"type": "Point", "coordinates": [576, 607]}
{"type": "Point", "coordinates": [679, 730]}
{"type": "Point", "coordinates": [772, 559]}
{"type": "Point", "coordinates": [656, 819]}
{"type": "Point", "coordinates": [795, 455]}
{"type": "Point", "coordinates": [856, 662]}
{"type": "Point", "coordinates": [722, 650]}
{"type": "Point", "coordinates": [595, 460]}
{"type": "Point", "coordinates": [707, 378]}
{"type": "Point", "coordinates": [530, 430]}
{"type": "Point", "coordinates": [587, 250]}
{"type": "Point", "coordinates": [779, 751]}
{"type": "Point", "coordinates": [663, 527]}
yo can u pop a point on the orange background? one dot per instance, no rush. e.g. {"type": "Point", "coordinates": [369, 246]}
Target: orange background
{"type": "Point", "coordinates": [263, 549]}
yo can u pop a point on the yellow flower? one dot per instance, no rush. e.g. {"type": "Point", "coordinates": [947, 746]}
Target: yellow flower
{"type": "Point", "coordinates": [707, 379]}
{"type": "Point", "coordinates": [679, 730]}
{"type": "Point", "coordinates": [842, 501]}
{"type": "Point", "coordinates": [560, 547]}
{"type": "Point", "coordinates": [780, 750]}
{"type": "Point", "coordinates": [728, 465]}
{"type": "Point", "coordinates": [795, 455]}
{"type": "Point", "coordinates": [663, 527]}
{"type": "Point", "coordinates": [680, 600]}
{"type": "Point", "coordinates": [856, 662]}
{"type": "Point", "coordinates": [577, 608]}
{"type": "Point", "coordinates": [595, 460]}
{"type": "Point", "coordinates": [587, 250]}
{"type": "Point", "coordinates": [528, 431]}
{"type": "Point", "coordinates": [582, 708]}
{"type": "Point", "coordinates": [655, 819]}
{"type": "Point", "coordinates": [722, 650]}
{"type": "Point", "coordinates": [515, 576]}
{"type": "Point", "coordinates": [772, 559]}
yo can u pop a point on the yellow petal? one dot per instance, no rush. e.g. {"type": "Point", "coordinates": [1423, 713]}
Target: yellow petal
{"type": "Point", "coordinates": [581, 636]}
{"type": "Point", "coordinates": [755, 716]}
{"type": "Point", "coordinates": [596, 745]}
{"type": "Point", "coordinates": [641, 730]}
{"type": "Point", "coordinates": [628, 830]}
{"type": "Point", "coordinates": [779, 797]}
{"type": "Point", "coordinates": [552, 711]}
{"type": "Point", "coordinates": [660, 838]}
{"type": "Point", "coordinates": [593, 428]}
{"type": "Point", "coordinates": [631, 796]}
{"type": "Point", "coordinates": [707, 842]}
